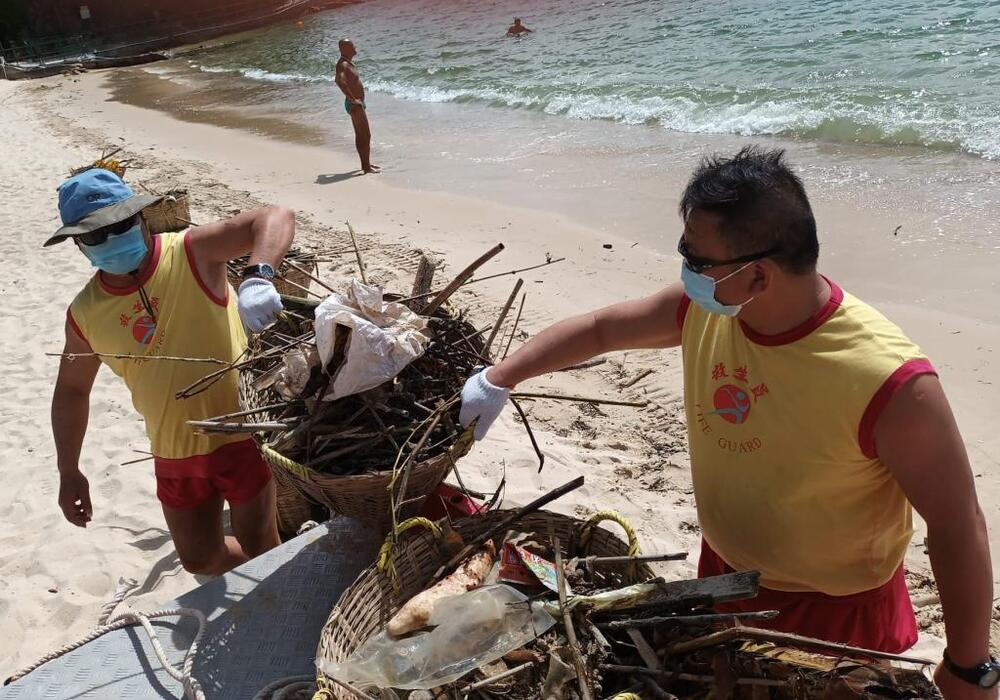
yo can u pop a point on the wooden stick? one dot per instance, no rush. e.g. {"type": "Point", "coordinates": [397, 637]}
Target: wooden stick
{"type": "Point", "coordinates": [717, 638]}
{"type": "Point", "coordinates": [506, 522]}
{"type": "Point", "coordinates": [669, 619]}
{"type": "Point", "coordinates": [422, 283]}
{"type": "Point", "coordinates": [404, 481]}
{"type": "Point", "coordinates": [493, 679]}
{"type": "Point", "coordinates": [306, 273]}
{"type": "Point", "coordinates": [357, 253]}
{"type": "Point", "coordinates": [482, 279]}
{"type": "Point", "coordinates": [636, 379]}
{"type": "Point", "coordinates": [402, 469]}
{"type": "Point", "coordinates": [249, 412]}
{"type": "Point", "coordinates": [515, 272]}
{"type": "Point", "coordinates": [531, 434]}
{"type": "Point", "coordinates": [237, 364]}
{"type": "Point", "coordinates": [502, 316]}
{"type": "Point", "coordinates": [467, 338]}
{"type": "Point", "coordinates": [73, 355]}
{"type": "Point", "coordinates": [673, 675]}
{"type": "Point", "coordinates": [136, 461]}
{"type": "Point", "coordinates": [207, 426]}
{"type": "Point", "coordinates": [351, 689]}
{"type": "Point", "coordinates": [574, 644]}
{"type": "Point", "coordinates": [464, 275]}
{"type": "Point", "coordinates": [513, 331]}
{"type": "Point", "coordinates": [675, 556]}
{"type": "Point", "coordinates": [580, 399]}
{"type": "Point", "coordinates": [298, 286]}
{"type": "Point", "coordinates": [646, 652]}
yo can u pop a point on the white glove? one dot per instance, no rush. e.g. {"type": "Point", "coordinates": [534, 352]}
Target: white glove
{"type": "Point", "coordinates": [258, 303]}
{"type": "Point", "coordinates": [482, 400]}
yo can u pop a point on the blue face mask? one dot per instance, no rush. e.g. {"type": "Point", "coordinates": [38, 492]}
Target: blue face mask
{"type": "Point", "coordinates": [701, 290]}
{"type": "Point", "coordinates": [119, 254]}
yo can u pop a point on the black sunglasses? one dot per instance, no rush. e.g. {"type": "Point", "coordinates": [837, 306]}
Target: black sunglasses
{"type": "Point", "coordinates": [701, 264]}
{"type": "Point", "coordinates": [98, 236]}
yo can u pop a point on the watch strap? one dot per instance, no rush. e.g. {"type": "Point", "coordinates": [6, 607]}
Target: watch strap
{"type": "Point", "coordinates": [262, 270]}
{"type": "Point", "coordinates": [975, 674]}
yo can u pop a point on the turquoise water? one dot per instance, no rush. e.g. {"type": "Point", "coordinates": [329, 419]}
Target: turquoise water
{"type": "Point", "coordinates": [896, 72]}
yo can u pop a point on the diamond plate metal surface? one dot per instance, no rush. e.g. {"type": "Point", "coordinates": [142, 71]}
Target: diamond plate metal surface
{"type": "Point", "coordinates": [265, 618]}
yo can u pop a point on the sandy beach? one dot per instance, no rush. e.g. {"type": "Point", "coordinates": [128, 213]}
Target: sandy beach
{"type": "Point", "coordinates": [54, 577]}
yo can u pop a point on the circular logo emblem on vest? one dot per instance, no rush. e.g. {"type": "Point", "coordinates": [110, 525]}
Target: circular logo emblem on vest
{"type": "Point", "coordinates": [731, 403]}
{"type": "Point", "coordinates": [143, 330]}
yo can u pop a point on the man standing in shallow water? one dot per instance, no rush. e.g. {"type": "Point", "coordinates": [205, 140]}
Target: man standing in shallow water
{"type": "Point", "coordinates": [517, 29]}
{"type": "Point", "coordinates": [349, 81]}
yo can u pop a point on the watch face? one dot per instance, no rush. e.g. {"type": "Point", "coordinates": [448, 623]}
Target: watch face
{"type": "Point", "coordinates": [259, 270]}
{"type": "Point", "coordinates": [990, 678]}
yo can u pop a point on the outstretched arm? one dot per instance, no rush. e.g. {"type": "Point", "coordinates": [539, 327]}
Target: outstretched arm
{"type": "Point", "coordinates": [640, 323]}
{"type": "Point", "coordinates": [918, 440]}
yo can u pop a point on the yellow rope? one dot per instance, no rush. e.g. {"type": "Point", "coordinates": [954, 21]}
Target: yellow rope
{"type": "Point", "coordinates": [282, 461]}
{"type": "Point", "coordinates": [620, 696]}
{"type": "Point", "coordinates": [323, 694]}
{"type": "Point", "coordinates": [603, 515]}
{"type": "Point", "coordinates": [385, 563]}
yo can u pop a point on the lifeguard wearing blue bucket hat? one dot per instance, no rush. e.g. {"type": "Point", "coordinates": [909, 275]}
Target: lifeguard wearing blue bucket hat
{"type": "Point", "coordinates": [94, 199]}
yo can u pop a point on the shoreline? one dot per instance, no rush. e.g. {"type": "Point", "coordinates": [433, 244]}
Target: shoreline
{"type": "Point", "coordinates": [635, 461]}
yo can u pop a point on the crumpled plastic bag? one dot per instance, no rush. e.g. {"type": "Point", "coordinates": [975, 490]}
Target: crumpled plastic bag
{"type": "Point", "coordinates": [292, 375]}
{"type": "Point", "coordinates": [470, 630]}
{"type": "Point", "coordinates": [384, 337]}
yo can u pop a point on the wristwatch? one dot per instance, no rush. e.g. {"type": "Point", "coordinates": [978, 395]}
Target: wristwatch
{"type": "Point", "coordinates": [985, 675]}
{"type": "Point", "coordinates": [262, 270]}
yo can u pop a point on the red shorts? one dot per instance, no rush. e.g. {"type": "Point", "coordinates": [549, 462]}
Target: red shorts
{"type": "Point", "coordinates": [881, 619]}
{"type": "Point", "coordinates": [237, 472]}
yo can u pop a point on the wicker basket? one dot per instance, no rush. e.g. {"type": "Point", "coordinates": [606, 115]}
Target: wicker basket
{"type": "Point", "coordinates": [363, 497]}
{"type": "Point", "coordinates": [293, 504]}
{"type": "Point", "coordinates": [366, 606]}
{"type": "Point", "coordinates": [172, 213]}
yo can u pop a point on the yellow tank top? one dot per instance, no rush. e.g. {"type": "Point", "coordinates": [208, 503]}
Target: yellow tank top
{"type": "Point", "coordinates": [781, 428]}
{"type": "Point", "coordinates": [190, 322]}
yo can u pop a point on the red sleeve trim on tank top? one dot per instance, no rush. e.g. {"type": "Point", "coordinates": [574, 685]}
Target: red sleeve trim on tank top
{"type": "Point", "coordinates": [76, 328]}
{"type": "Point", "coordinates": [904, 373]}
{"type": "Point", "coordinates": [189, 251]}
{"type": "Point", "coordinates": [682, 310]}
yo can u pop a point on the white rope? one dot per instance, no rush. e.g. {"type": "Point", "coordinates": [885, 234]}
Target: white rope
{"type": "Point", "coordinates": [192, 689]}
{"type": "Point", "coordinates": [125, 586]}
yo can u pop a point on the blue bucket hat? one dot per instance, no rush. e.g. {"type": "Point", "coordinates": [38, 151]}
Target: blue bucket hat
{"type": "Point", "coordinates": [94, 199]}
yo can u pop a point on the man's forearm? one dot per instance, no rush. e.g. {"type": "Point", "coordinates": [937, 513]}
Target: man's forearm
{"type": "Point", "coordinates": [562, 345]}
{"type": "Point", "coordinates": [272, 235]}
{"type": "Point", "coordinates": [70, 415]}
{"type": "Point", "coordinates": [960, 557]}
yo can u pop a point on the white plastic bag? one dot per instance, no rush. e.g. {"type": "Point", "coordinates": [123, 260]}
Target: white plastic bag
{"type": "Point", "coordinates": [472, 629]}
{"type": "Point", "coordinates": [384, 338]}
